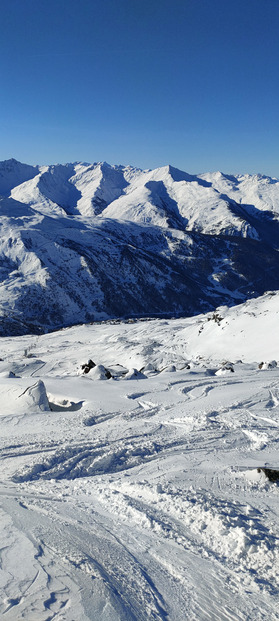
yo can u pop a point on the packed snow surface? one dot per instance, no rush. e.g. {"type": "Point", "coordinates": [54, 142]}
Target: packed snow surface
{"type": "Point", "coordinates": [133, 481]}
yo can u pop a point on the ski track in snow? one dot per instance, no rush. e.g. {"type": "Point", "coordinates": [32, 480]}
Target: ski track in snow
{"type": "Point", "coordinates": [136, 499]}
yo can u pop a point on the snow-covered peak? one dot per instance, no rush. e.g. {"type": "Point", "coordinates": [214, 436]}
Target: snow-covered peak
{"type": "Point", "coordinates": [99, 185]}
{"type": "Point", "coordinates": [50, 190]}
{"type": "Point", "coordinates": [13, 173]}
{"type": "Point", "coordinates": [171, 198]}
{"type": "Point", "coordinates": [257, 190]}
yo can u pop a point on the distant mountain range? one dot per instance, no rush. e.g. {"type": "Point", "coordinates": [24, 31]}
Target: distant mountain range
{"type": "Point", "coordinates": [87, 242]}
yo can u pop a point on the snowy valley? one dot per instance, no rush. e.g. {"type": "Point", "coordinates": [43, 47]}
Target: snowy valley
{"type": "Point", "coordinates": [139, 441]}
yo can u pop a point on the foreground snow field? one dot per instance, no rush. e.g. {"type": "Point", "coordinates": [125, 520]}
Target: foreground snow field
{"type": "Point", "coordinates": [139, 497]}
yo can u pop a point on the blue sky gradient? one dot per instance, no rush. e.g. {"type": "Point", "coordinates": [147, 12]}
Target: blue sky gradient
{"type": "Point", "coordinates": [193, 83]}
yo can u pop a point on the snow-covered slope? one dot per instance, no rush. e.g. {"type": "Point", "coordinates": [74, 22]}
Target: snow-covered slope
{"type": "Point", "coordinates": [83, 242]}
{"type": "Point", "coordinates": [251, 190]}
{"type": "Point", "coordinates": [169, 197]}
{"type": "Point", "coordinates": [144, 496]}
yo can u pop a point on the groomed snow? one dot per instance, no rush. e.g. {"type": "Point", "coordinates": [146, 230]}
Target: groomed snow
{"type": "Point", "coordinates": [141, 497]}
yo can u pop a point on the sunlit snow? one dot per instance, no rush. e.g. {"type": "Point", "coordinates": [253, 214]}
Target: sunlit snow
{"type": "Point", "coordinates": [142, 496]}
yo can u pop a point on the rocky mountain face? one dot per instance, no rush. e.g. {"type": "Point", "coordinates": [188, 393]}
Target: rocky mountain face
{"type": "Point", "coordinates": [86, 242]}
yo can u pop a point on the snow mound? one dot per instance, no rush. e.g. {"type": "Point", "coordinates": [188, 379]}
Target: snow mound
{"type": "Point", "coordinates": [57, 404]}
{"type": "Point", "coordinates": [134, 374]}
{"type": "Point", "coordinates": [99, 372]}
{"type": "Point", "coordinates": [20, 396]}
{"type": "Point", "coordinates": [169, 369]}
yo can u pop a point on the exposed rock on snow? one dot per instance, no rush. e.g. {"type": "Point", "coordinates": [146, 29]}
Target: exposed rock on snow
{"type": "Point", "coordinates": [88, 366]}
{"type": "Point", "coordinates": [268, 365]}
{"type": "Point", "coordinates": [227, 367]}
{"type": "Point", "coordinates": [270, 473]}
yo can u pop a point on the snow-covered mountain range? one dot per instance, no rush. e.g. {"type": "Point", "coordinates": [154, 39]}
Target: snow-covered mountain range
{"type": "Point", "coordinates": [85, 242]}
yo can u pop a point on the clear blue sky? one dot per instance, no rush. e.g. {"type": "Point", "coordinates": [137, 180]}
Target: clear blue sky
{"type": "Point", "coordinates": [193, 83]}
